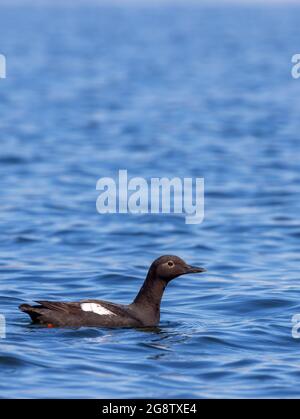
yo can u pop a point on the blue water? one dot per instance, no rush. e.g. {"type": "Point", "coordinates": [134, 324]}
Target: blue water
{"type": "Point", "coordinates": [170, 91]}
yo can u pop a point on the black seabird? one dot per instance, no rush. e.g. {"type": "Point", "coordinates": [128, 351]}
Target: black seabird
{"type": "Point", "coordinates": [144, 311]}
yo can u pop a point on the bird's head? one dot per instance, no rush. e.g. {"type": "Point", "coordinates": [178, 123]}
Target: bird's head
{"type": "Point", "coordinates": [169, 267]}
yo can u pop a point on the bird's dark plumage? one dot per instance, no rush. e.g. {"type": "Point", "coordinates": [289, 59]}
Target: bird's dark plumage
{"type": "Point", "coordinates": [144, 311]}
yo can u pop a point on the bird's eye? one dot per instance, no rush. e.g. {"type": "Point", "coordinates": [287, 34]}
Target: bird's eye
{"type": "Point", "coordinates": [171, 264]}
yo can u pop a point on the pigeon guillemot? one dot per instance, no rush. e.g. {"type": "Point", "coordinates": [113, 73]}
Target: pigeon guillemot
{"type": "Point", "coordinates": [144, 311]}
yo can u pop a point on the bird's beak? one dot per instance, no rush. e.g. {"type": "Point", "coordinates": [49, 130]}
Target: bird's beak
{"type": "Point", "coordinates": [194, 269]}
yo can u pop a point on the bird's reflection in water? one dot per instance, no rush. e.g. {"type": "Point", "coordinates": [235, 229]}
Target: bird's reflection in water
{"type": "Point", "coordinates": [164, 339]}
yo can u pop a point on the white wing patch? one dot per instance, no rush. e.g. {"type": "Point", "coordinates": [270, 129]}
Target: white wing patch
{"type": "Point", "coordinates": [96, 308]}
